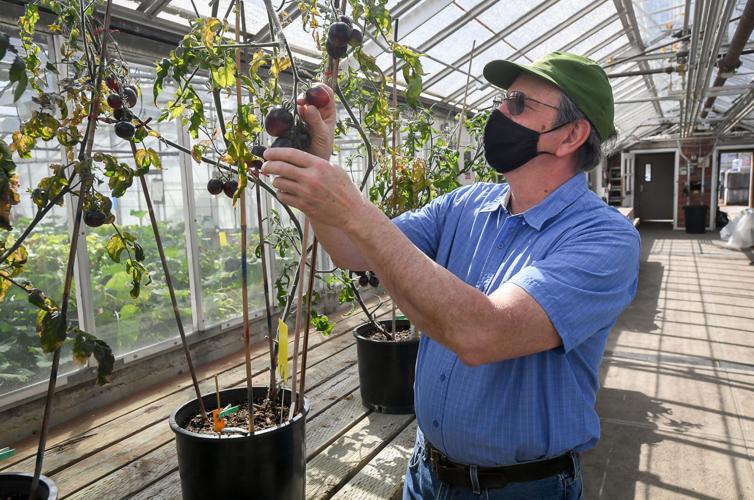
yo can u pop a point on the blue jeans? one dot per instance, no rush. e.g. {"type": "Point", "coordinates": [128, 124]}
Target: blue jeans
{"type": "Point", "coordinates": [422, 483]}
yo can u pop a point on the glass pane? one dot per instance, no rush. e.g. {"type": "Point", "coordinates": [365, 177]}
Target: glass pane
{"type": "Point", "coordinates": [219, 235]}
{"type": "Point", "coordinates": [543, 23]}
{"type": "Point", "coordinates": [597, 38]}
{"type": "Point", "coordinates": [573, 31]}
{"type": "Point", "coordinates": [436, 24]}
{"type": "Point", "coordinates": [124, 322]}
{"type": "Point", "coordinates": [22, 361]}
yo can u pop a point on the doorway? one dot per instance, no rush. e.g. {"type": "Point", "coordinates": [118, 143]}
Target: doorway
{"type": "Point", "coordinates": [654, 186]}
{"type": "Point", "coordinates": [734, 181]}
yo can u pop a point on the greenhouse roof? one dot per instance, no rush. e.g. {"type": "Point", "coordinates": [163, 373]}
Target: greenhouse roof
{"type": "Point", "coordinates": [661, 58]}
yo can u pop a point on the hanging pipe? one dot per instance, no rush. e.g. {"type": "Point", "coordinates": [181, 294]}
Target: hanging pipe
{"type": "Point", "coordinates": [692, 62]}
{"type": "Point", "coordinates": [724, 12]}
{"type": "Point", "coordinates": [732, 60]}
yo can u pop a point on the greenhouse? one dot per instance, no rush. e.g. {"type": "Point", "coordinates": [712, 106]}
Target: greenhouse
{"type": "Point", "coordinates": [376, 249]}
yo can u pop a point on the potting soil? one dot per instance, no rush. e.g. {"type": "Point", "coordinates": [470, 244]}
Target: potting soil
{"type": "Point", "coordinates": [267, 414]}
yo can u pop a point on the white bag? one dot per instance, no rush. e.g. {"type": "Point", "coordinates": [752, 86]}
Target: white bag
{"type": "Point", "coordinates": [739, 232]}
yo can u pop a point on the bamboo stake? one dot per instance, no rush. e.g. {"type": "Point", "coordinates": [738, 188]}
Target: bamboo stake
{"type": "Point", "coordinates": [86, 182]}
{"type": "Point", "coordinates": [309, 293]}
{"type": "Point", "coordinates": [217, 392]}
{"type": "Point", "coordinates": [244, 267]}
{"type": "Point", "coordinates": [171, 290]}
{"type": "Point", "coordinates": [395, 154]}
{"type": "Point", "coordinates": [297, 329]}
{"type": "Point", "coordinates": [272, 390]}
{"type": "Point", "coordinates": [331, 80]}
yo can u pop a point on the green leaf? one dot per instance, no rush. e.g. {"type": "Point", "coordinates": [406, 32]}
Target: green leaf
{"type": "Point", "coordinates": [128, 311]}
{"type": "Point", "coordinates": [163, 67]}
{"type": "Point", "coordinates": [322, 323]}
{"type": "Point", "coordinates": [413, 91]}
{"type": "Point", "coordinates": [85, 345]}
{"type": "Point", "coordinates": [51, 327]}
{"type": "Point", "coordinates": [138, 252]}
{"type": "Point", "coordinates": [368, 65]}
{"type": "Point", "coordinates": [18, 75]}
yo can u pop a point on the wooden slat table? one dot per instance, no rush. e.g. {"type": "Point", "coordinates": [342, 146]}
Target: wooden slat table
{"type": "Point", "coordinates": [128, 449]}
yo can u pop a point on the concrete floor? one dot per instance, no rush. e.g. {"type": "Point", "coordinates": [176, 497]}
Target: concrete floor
{"type": "Point", "coordinates": [677, 397]}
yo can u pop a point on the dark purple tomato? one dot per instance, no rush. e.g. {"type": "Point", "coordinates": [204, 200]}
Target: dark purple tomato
{"type": "Point", "coordinates": [125, 130]}
{"type": "Point", "coordinates": [114, 101]}
{"type": "Point", "coordinates": [131, 95]}
{"type": "Point", "coordinates": [230, 187]}
{"type": "Point", "coordinates": [339, 34]}
{"type": "Point", "coordinates": [317, 97]}
{"type": "Point", "coordinates": [215, 186]}
{"type": "Point", "coordinates": [278, 121]}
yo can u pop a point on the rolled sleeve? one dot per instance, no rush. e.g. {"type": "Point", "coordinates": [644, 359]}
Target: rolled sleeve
{"type": "Point", "coordinates": [585, 283]}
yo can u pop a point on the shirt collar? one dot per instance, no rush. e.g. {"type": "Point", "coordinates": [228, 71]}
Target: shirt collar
{"type": "Point", "coordinates": [548, 208]}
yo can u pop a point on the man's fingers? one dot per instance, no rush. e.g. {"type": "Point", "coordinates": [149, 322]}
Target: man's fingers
{"type": "Point", "coordinates": [281, 169]}
{"type": "Point", "coordinates": [296, 157]}
{"type": "Point", "coordinates": [284, 185]}
{"type": "Point", "coordinates": [312, 117]}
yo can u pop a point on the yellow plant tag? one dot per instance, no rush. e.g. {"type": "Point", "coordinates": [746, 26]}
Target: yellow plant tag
{"type": "Point", "coordinates": [223, 238]}
{"type": "Point", "coordinates": [282, 349]}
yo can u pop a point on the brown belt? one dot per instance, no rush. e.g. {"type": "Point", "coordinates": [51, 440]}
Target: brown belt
{"type": "Point", "coordinates": [456, 474]}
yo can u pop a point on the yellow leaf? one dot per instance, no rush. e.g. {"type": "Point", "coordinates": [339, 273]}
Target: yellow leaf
{"type": "Point", "coordinates": [279, 65]}
{"type": "Point", "coordinates": [257, 61]}
{"type": "Point", "coordinates": [208, 32]}
{"type": "Point", "coordinates": [154, 133]}
{"type": "Point", "coordinates": [5, 286]}
{"type": "Point", "coordinates": [282, 349]}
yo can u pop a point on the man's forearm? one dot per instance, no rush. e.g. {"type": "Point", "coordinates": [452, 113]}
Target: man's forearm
{"type": "Point", "coordinates": [339, 246]}
{"type": "Point", "coordinates": [436, 301]}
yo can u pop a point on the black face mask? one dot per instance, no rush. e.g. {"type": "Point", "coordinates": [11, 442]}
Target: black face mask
{"type": "Point", "coordinates": [508, 145]}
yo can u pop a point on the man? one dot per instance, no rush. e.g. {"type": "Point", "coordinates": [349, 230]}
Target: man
{"type": "Point", "coordinates": [515, 286]}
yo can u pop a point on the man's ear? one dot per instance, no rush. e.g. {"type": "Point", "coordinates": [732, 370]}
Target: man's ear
{"type": "Point", "coordinates": [577, 134]}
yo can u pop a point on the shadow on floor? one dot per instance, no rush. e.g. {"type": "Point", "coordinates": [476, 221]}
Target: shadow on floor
{"type": "Point", "coordinates": [613, 468]}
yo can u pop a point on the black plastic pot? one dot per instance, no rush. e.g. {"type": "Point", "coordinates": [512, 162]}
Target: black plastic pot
{"type": "Point", "coordinates": [17, 485]}
{"type": "Point", "coordinates": [270, 464]}
{"type": "Point", "coordinates": [386, 370]}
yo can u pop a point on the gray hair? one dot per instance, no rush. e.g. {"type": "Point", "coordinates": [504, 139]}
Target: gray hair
{"type": "Point", "coordinates": [590, 153]}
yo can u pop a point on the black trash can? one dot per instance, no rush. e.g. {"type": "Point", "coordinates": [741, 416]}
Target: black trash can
{"type": "Point", "coordinates": [696, 218]}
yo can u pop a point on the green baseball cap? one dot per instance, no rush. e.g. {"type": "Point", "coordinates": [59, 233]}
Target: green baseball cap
{"type": "Point", "coordinates": [580, 78]}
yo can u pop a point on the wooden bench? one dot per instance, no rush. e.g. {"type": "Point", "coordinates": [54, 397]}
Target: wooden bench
{"type": "Point", "coordinates": [128, 450]}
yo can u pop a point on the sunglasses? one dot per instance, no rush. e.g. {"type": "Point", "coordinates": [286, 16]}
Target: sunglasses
{"type": "Point", "coordinates": [515, 101]}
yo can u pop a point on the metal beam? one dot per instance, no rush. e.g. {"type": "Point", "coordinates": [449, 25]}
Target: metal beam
{"type": "Point", "coordinates": [566, 48]}
{"type": "Point", "coordinates": [412, 14]}
{"type": "Point", "coordinates": [607, 22]}
{"type": "Point", "coordinates": [541, 39]}
{"type": "Point", "coordinates": [521, 21]}
{"type": "Point", "coordinates": [155, 7]}
{"type": "Point", "coordinates": [648, 99]}
{"type": "Point", "coordinates": [628, 19]}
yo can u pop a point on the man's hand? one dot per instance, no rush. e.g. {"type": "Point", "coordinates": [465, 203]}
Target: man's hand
{"type": "Point", "coordinates": [321, 190]}
{"type": "Point", "coordinates": [320, 121]}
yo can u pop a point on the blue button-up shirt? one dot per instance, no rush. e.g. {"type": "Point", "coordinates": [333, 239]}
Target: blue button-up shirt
{"type": "Point", "coordinates": [579, 259]}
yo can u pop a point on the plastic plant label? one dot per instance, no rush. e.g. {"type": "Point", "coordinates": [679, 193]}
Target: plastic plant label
{"type": "Point", "coordinates": [282, 349]}
{"type": "Point", "coordinates": [219, 423]}
{"type": "Point", "coordinates": [229, 411]}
